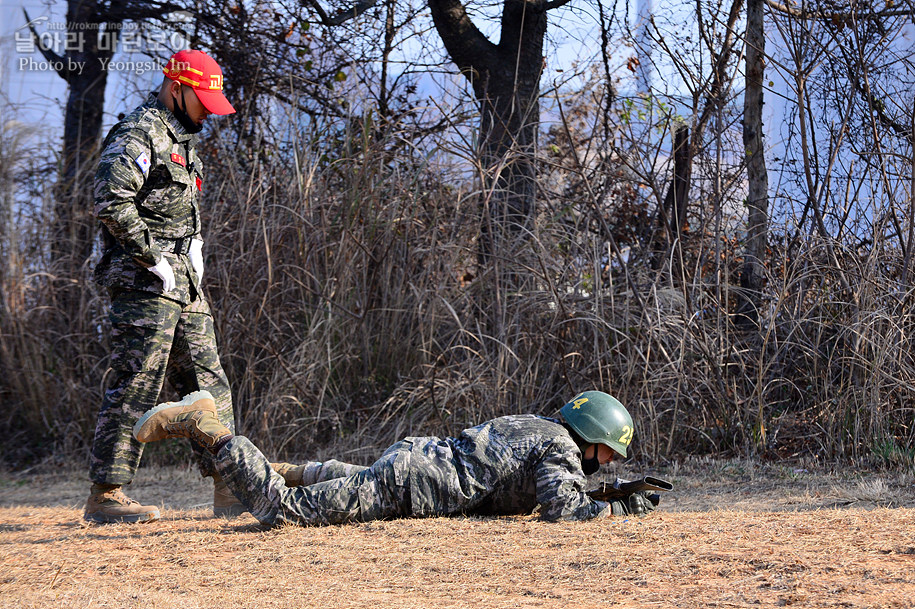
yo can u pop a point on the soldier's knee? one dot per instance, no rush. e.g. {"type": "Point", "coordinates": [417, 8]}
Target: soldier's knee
{"type": "Point", "coordinates": [380, 497]}
{"type": "Point", "coordinates": [373, 503]}
{"type": "Point", "coordinates": [338, 469]}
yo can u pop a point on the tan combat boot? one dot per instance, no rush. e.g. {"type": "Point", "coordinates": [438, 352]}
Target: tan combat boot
{"type": "Point", "coordinates": [193, 417]}
{"type": "Point", "coordinates": [225, 505]}
{"type": "Point", "coordinates": [292, 474]}
{"type": "Point", "coordinates": [108, 503]}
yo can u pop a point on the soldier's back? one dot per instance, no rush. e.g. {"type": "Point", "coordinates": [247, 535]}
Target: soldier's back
{"type": "Point", "coordinates": [490, 468]}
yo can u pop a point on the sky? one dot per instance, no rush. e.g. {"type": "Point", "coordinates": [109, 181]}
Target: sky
{"type": "Point", "coordinates": [34, 94]}
{"type": "Point", "coordinates": [31, 91]}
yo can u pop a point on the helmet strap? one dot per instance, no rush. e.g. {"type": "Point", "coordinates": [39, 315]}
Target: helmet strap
{"type": "Point", "coordinates": [588, 466]}
{"type": "Point", "coordinates": [591, 465]}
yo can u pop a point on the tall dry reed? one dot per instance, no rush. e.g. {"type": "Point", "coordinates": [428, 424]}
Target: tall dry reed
{"type": "Point", "coordinates": [351, 311]}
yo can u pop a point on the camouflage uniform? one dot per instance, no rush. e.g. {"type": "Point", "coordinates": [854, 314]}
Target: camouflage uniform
{"type": "Point", "coordinates": [506, 466]}
{"type": "Point", "coordinates": [146, 195]}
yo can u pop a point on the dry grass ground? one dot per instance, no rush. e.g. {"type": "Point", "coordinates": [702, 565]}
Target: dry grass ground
{"type": "Point", "coordinates": [734, 534]}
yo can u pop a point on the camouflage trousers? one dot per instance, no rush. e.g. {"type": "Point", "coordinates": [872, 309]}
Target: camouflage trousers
{"type": "Point", "coordinates": [153, 339]}
{"type": "Point", "coordinates": [369, 493]}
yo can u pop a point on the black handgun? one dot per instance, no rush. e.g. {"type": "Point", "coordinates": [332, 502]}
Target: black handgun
{"type": "Point", "coordinates": [619, 489]}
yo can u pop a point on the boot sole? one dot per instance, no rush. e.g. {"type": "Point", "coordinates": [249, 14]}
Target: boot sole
{"type": "Point", "coordinates": [232, 511]}
{"type": "Point", "coordinates": [106, 519]}
{"type": "Point", "coordinates": [186, 401]}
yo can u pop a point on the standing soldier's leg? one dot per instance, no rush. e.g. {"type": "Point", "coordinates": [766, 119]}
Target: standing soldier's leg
{"type": "Point", "coordinates": [195, 366]}
{"type": "Point", "coordinates": [378, 492]}
{"type": "Point", "coordinates": [142, 329]}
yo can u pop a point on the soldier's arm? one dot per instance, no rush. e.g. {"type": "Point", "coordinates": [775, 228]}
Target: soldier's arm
{"type": "Point", "coordinates": [198, 169]}
{"type": "Point", "coordinates": [561, 487]}
{"type": "Point", "coordinates": [123, 169]}
{"type": "Point", "coordinates": [199, 185]}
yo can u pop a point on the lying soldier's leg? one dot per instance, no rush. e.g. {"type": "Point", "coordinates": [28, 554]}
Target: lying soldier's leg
{"type": "Point", "coordinates": [312, 472]}
{"type": "Point", "coordinates": [378, 492]}
{"type": "Point", "coordinates": [370, 494]}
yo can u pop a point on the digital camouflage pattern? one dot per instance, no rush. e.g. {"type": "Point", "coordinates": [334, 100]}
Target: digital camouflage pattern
{"type": "Point", "coordinates": [146, 194]}
{"type": "Point", "coordinates": [505, 466]}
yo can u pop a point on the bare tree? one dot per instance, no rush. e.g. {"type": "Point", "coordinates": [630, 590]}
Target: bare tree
{"type": "Point", "coordinates": [506, 83]}
{"type": "Point", "coordinates": [505, 78]}
{"type": "Point", "coordinates": [710, 86]}
{"type": "Point", "coordinates": [94, 30]}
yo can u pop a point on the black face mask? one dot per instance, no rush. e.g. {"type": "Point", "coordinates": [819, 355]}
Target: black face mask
{"type": "Point", "coordinates": [180, 113]}
{"type": "Point", "coordinates": [590, 466]}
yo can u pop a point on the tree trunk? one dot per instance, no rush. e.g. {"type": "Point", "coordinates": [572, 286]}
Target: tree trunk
{"type": "Point", "coordinates": [72, 240]}
{"type": "Point", "coordinates": [678, 191]}
{"type": "Point", "coordinates": [90, 43]}
{"type": "Point", "coordinates": [753, 272]}
{"type": "Point", "coordinates": [506, 84]}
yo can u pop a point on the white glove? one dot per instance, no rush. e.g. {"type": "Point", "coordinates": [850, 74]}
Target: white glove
{"type": "Point", "coordinates": [163, 270]}
{"type": "Point", "coordinates": [196, 255]}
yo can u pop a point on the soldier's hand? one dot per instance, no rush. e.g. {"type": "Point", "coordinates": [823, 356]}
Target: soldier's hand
{"type": "Point", "coordinates": [196, 256]}
{"type": "Point", "coordinates": [636, 504]}
{"type": "Point", "coordinates": [642, 503]}
{"type": "Point", "coordinates": [163, 270]}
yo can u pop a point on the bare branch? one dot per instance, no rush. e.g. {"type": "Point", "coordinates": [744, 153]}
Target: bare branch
{"type": "Point", "coordinates": [718, 76]}
{"type": "Point", "coordinates": [357, 10]}
{"type": "Point", "coordinates": [835, 16]}
{"type": "Point", "coordinates": [342, 16]}
{"type": "Point", "coordinates": [555, 4]}
{"type": "Point", "coordinates": [138, 10]}
{"type": "Point", "coordinates": [53, 58]}
{"type": "Point", "coordinates": [880, 109]}
{"type": "Point", "coordinates": [466, 44]}
{"type": "Point", "coordinates": [322, 14]}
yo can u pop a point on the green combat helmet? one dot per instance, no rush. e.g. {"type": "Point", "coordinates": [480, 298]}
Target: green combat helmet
{"type": "Point", "coordinates": [599, 418]}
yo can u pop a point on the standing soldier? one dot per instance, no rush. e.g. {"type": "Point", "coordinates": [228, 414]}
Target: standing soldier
{"type": "Point", "coordinates": [147, 192]}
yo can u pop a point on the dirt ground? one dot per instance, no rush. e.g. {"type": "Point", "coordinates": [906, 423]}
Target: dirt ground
{"type": "Point", "coordinates": [732, 534]}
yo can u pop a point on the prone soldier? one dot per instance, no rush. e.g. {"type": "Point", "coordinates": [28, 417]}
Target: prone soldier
{"type": "Point", "coordinates": [508, 465]}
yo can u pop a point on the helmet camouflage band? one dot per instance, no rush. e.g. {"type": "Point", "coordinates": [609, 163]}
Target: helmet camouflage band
{"type": "Point", "coordinates": [599, 418]}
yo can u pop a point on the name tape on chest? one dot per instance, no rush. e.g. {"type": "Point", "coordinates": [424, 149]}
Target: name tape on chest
{"type": "Point", "coordinates": [142, 162]}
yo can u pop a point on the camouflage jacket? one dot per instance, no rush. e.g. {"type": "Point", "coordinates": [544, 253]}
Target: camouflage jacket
{"type": "Point", "coordinates": [147, 189]}
{"type": "Point", "coordinates": [507, 465]}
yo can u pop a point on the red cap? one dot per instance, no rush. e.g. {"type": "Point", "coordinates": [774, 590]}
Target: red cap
{"type": "Point", "coordinates": [199, 71]}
